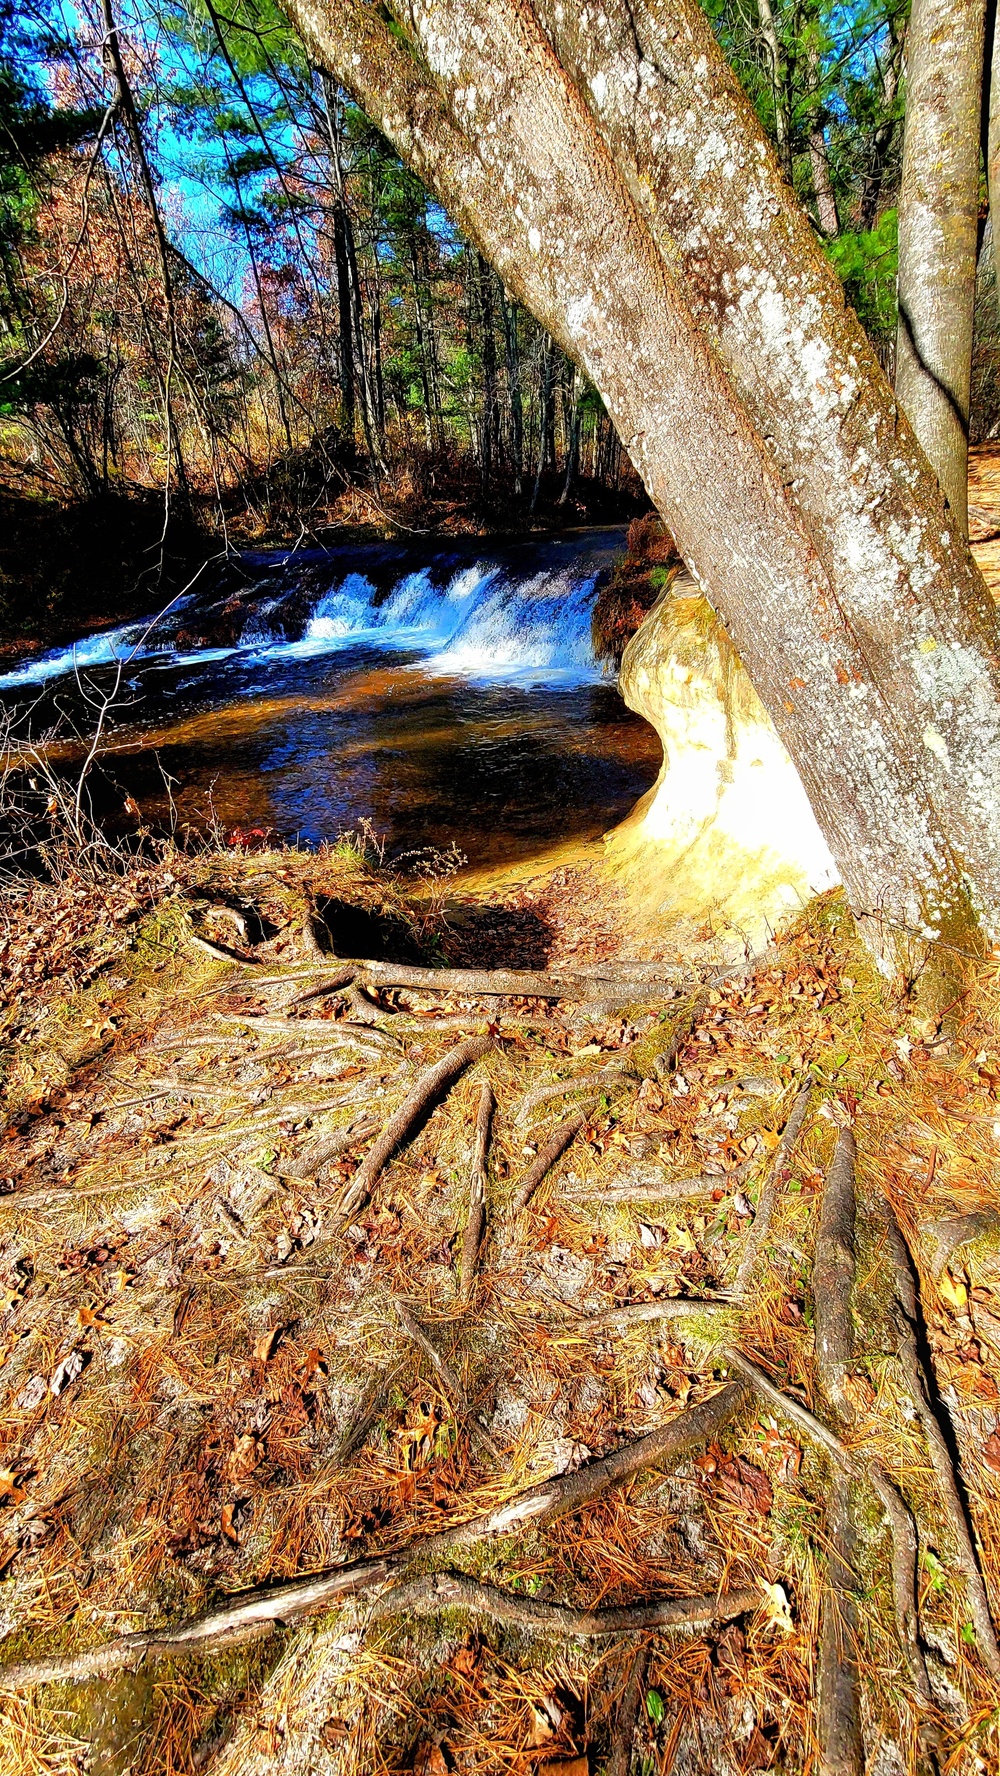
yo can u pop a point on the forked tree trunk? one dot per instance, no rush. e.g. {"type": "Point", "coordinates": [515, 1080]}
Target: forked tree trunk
{"type": "Point", "coordinates": [609, 166]}
{"type": "Point", "coordinates": [938, 223]}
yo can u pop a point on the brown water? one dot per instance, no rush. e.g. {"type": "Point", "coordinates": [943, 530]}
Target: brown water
{"type": "Point", "coordinates": [448, 697]}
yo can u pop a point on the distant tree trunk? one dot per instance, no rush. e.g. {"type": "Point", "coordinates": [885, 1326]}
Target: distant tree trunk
{"type": "Point", "coordinates": [377, 372]}
{"type": "Point", "coordinates": [489, 358]}
{"type": "Point", "coordinates": [127, 108]}
{"type": "Point", "coordinates": [819, 160]}
{"type": "Point", "coordinates": [422, 351]}
{"type": "Point", "coordinates": [544, 418]}
{"type": "Point", "coordinates": [516, 404]}
{"type": "Point", "coordinates": [614, 173]}
{"type": "Point", "coordinates": [882, 140]}
{"type": "Point", "coordinates": [776, 60]}
{"type": "Point", "coordinates": [345, 299]}
{"type": "Point", "coordinates": [575, 418]}
{"type": "Point", "coordinates": [938, 223]}
{"type": "Point", "coordinates": [368, 413]}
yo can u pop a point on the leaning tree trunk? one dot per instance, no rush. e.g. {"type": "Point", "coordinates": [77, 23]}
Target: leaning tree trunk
{"type": "Point", "coordinates": [938, 222]}
{"type": "Point", "coordinates": [993, 146]}
{"type": "Point", "coordinates": [611, 168]}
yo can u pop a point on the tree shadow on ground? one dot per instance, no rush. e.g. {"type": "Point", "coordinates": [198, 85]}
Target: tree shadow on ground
{"type": "Point", "coordinates": [497, 937]}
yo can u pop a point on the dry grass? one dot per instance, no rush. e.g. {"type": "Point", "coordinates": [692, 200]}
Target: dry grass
{"type": "Point", "coordinates": [250, 1408]}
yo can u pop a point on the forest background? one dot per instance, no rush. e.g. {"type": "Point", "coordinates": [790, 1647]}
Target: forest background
{"type": "Point", "coordinates": [229, 316]}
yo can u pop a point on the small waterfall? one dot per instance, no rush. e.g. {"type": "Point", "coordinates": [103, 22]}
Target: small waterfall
{"type": "Point", "coordinates": [482, 623]}
{"type": "Point", "coordinates": [484, 620]}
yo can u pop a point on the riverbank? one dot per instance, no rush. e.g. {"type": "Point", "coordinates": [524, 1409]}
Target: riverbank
{"type": "Point", "coordinates": [228, 1365]}
{"type": "Point", "coordinates": [68, 568]}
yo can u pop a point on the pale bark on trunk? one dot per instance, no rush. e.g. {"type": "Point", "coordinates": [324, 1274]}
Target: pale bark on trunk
{"type": "Point", "coordinates": [819, 161]}
{"type": "Point", "coordinates": [993, 145]}
{"type": "Point", "coordinates": [623, 189]}
{"type": "Point", "coordinates": [775, 56]}
{"type": "Point", "coordinates": [826, 202]}
{"type": "Point", "coordinates": [938, 223]}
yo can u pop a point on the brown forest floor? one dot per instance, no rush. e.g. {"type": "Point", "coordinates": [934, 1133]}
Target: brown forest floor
{"type": "Point", "coordinates": [209, 1379]}
{"type": "Point", "coordinates": [206, 1384]}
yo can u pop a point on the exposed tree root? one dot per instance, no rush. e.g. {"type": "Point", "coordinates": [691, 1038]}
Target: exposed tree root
{"type": "Point", "coordinates": [920, 1386]}
{"type": "Point", "coordinates": [905, 1556]}
{"type": "Point", "coordinates": [309, 942]}
{"type": "Point", "coordinates": [623, 1732]}
{"type": "Point", "coordinates": [638, 1190]}
{"type": "Point", "coordinates": [322, 1034]}
{"type": "Point", "coordinates": [800, 1415]}
{"type": "Point", "coordinates": [438, 1591]}
{"type": "Point", "coordinates": [838, 1722]}
{"type": "Point", "coordinates": [771, 1190]}
{"type": "Point", "coordinates": [220, 952]}
{"type": "Point", "coordinates": [251, 1613]}
{"type": "Point", "coordinates": [431, 1083]}
{"type": "Point", "coordinates": [613, 1074]}
{"type": "Point", "coordinates": [833, 1275]}
{"type": "Point", "coordinates": [475, 1224]}
{"type": "Point", "coordinates": [329, 1147]}
{"type": "Point", "coordinates": [901, 1525]}
{"type": "Point", "coordinates": [556, 1145]}
{"type": "Point", "coordinates": [495, 982]}
{"type": "Point", "coordinates": [449, 1380]}
{"type": "Point", "coordinates": [676, 1307]}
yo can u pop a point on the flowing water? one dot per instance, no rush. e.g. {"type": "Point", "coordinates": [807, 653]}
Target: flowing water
{"type": "Point", "coordinates": [444, 693]}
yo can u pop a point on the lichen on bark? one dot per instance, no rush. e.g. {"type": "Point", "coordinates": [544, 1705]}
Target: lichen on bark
{"type": "Point", "coordinates": [607, 166]}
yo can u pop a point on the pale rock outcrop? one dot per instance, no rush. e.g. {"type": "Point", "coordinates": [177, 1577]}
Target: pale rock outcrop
{"type": "Point", "coordinates": [726, 836]}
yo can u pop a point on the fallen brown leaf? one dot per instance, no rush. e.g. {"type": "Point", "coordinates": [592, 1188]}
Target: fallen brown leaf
{"type": "Point", "coordinates": [740, 1481]}
{"type": "Point", "coordinates": [429, 1760]}
{"type": "Point", "coordinates": [266, 1346]}
{"type": "Point", "coordinates": [10, 1491]}
{"type": "Point", "coordinates": [244, 1457]}
{"type": "Point", "coordinates": [466, 1661]}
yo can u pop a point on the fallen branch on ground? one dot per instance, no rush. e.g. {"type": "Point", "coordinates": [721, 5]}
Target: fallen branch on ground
{"type": "Point", "coordinates": [554, 1148]}
{"type": "Point", "coordinates": [251, 1613]}
{"type": "Point", "coordinates": [431, 1083]}
{"type": "Point", "coordinates": [475, 1224]}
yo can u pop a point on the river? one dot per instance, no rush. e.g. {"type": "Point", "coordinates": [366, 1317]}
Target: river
{"type": "Point", "coordinates": [446, 692]}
